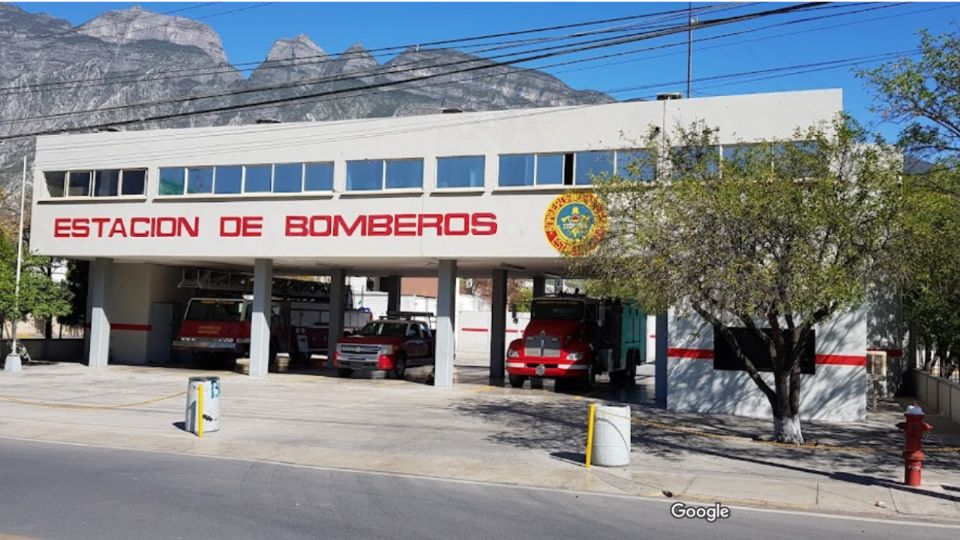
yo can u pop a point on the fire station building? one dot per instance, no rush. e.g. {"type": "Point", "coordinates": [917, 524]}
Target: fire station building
{"type": "Point", "coordinates": [446, 195]}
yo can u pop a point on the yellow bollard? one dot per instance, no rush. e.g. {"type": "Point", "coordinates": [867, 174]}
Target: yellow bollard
{"type": "Point", "coordinates": [200, 411]}
{"type": "Point", "coordinates": [590, 416]}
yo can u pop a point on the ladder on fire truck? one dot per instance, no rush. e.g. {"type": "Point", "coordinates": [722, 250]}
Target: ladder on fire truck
{"type": "Point", "coordinates": [240, 282]}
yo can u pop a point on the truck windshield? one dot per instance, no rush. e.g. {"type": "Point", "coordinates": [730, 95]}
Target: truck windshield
{"type": "Point", "coordinates": [380, 328]}
{"type": "Point", "coordinates": [562, 310]}
{"type": "Point", "coordinates": [215, 310]}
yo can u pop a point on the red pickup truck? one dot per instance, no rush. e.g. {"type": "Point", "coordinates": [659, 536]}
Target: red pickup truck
{"type": "Point", "coordinates": [389, 345]}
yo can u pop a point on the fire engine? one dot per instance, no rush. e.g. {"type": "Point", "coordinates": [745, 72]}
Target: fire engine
{"type": "Point", "coordinates": [575, 338]}
{"type": "Point", "coordinates": [216, 326]}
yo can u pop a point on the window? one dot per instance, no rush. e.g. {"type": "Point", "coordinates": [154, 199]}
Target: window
{"type": "Point", "coordinates": [591, 164]}
{"type": "Point", "coordinates": [549, 169]}
{"type": "Point", "coordinates": [258, 179]}
{"type": "Point", "coordinates": [757, 351]}
{"type": "Point", "coordinates": [694, 161]}
{"type": "Point", "coordinates": [404, 174]}
{"type": "Point", "coordinates": [171, 181]}
{"type": "Point", "coordinates": [228, 179]}
{"type": "Point", "coordinates": [56, 180]}
{"type": "Point", "coordinates": [318, 177]}
{"type": "Point", "coordinates": [200, 180]}
{"type": "Point", "coordinates": [516, 170]}
{"type": "Point", "coordinates": [288, 178]}
{"type": "Point", "coordinates": [79, 184]}
{"type": "Point", "coordinates": [134, 182]}
{"type": "Point", "coordinates": [460, 172]}
{"type": "Point", "coordinates": [106, 183]}
{"type": "Point", "coordinates": [365, 175]}
{"type": "Point", "coordinates": [636, 165]}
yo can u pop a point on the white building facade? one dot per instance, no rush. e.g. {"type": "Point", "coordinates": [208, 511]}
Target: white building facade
{"type": "Point", "coordinates": [443, 195]}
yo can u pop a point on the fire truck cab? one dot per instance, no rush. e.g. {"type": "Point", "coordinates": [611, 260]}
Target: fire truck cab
{"type": "Point", "coordinates": [575, 337]}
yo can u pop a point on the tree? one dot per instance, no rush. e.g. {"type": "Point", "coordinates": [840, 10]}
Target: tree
{"type": "Point", "coordinates": [923, 95]}
{"type": "Point", "coordinates": [78, 273]}
{"type": "Point", "coordinates": [777, 238]}
{"type": "Point", "coordinates": [40, 296]}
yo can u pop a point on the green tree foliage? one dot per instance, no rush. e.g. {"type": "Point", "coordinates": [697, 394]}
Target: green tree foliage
{"type": "Point", "coordinates": [778, 235]}
{"type": "Point", "coordinates": [923, 95]}
{"type": "Point", "coordinates": [77, 276]}
{"type": "Point", "coordinates": [40, 296]}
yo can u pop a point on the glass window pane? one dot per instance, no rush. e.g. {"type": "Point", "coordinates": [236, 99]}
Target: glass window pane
{"type": "Point", "coordinates": [106, 183]}
{"type": "Point", "coordinates": [404, 173]}
{"type": "Point", "coordinates": [171, 181]}
{"type": "Point", "coordinates": [134, 181]}
{"type": "Point", "coordinates": [590, 164]}
{"type": "Point", "coordinates": [516, 170]}
{"type": "Point", "coordinates": [364, 175]}
{"type": "Point", "coordinates": [258, 178]}
{"type": "Point", "coordinates": [549, 169]}
{"type": "Point", "coordinates": [228, 179]}
{"type": "Point", "coordinates": [454, 172]}
{"type": "Point", "coordinates": [56, 180]}
{"type": "Point", "coordinates": [636, 165]}
{"type": "Point", "coordinates": [200, 180]}
{"type": "Point", "coordinates": [318, 177]}
{"type": "Point", "coordinates": [288, 178]}
{"type": "Point", "coordinates": [79, 184]}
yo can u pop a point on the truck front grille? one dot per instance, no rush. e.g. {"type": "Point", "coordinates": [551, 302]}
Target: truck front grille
{"type": "Point", "coordinates": [350, 348]}
{"type": "Point", "coordinates": [543, 346]}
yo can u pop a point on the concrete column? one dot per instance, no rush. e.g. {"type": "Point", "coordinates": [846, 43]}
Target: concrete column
{"type": "Point", "coordinates": [97, 294]}
{"type": "Point", "coordinates": [337, 300]}
{"type": "Point", "coordinates": [393, 293]}
{"type": "Point", "coordinates": [660, 363]}
{"type": "Point", "coordinates": [446, 324]}
{"type": "Point", "coordinates": [260, 321]}
{"type": "Point", "coordinates": [498, 327]}
{"type": "Point", "coordinates": [539, 286]}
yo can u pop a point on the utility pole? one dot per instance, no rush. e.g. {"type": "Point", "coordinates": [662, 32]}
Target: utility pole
{"type": "Point", "coordinates": [689, 47]}
{"type": "Point", "coordinates": [13, 362]}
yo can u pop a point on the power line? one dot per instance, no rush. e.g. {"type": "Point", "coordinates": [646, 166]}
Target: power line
{"type": "Point", "coordinates": [589, 45]}
{"type": "Point", "coordinates": [323, 59]}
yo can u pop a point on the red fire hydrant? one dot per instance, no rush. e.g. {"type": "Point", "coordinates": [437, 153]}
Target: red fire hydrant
{"type": "Point", "coordinates": [914, 427]}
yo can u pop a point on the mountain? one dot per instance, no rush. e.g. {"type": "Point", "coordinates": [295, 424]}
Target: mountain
{"type": "Point", "coordinates": [50, 68]}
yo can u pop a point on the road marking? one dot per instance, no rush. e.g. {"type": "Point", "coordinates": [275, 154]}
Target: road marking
{"type": "Point", "coordinates": [481, 389]}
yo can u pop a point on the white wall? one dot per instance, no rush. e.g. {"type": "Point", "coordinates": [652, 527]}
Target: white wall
{"type": "Point", "coordinates": [473, 331]}
{"type": "Point", "coordinates": [833, 393]}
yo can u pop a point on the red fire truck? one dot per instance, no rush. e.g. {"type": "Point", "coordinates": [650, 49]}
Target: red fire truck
{"type": "Point", "coordinates": [216, 326]}
{"type": "Point", "coordinates": [575, 337]}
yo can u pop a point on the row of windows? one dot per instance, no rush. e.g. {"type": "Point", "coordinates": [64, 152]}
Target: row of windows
{"type": "Point", "coordinates": [516, 170]}
{"type": "Point", "coordinates": [101, 183]}
{"type": "Point", "coordinates": [234, 179]}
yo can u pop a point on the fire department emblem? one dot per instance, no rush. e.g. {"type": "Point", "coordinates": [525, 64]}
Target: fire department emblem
{"type": "Point", "coordinates": [574, 223]}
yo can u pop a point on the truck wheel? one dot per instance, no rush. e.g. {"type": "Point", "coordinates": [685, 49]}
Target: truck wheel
{"type": "Point", "coordinates": [517, 381]}
{"type": "Point", "coordinates": [344, 372]}
{"type": "Point", "coordinates": [632, 362]}
{"type": "Point", "coordinates": [399, 367]}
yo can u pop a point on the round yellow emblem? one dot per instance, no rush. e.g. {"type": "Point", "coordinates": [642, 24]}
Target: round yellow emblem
{"type": "Point", "coordinates": [574, 223]}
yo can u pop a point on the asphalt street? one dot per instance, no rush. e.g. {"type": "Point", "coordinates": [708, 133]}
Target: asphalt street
{"type": "Point", "coordinates": [54, 491]}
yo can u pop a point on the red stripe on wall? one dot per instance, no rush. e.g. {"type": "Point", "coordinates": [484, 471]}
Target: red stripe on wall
{"type": "Point", "coordinates": [133, 327]}
{"type": "Point", "coordinates": [704, 354]}
{"type": "Point", "coordinates": [841, 360]}
{"type": "Point", "coordinates": [508, 330]}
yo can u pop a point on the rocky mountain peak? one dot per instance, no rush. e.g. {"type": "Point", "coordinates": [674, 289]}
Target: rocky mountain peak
{"type": "Point", "coordinates": [356, 58]}
{"type": "Point", "coordinates": [298, 47]}
{"type": "Point", "coordinates": [139, 24]}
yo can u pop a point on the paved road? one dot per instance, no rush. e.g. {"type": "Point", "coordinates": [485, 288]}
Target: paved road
{"type": "Point", "coordinates": [51, 491]}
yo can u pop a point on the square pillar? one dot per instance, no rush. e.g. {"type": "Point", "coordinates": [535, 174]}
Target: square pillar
{"type": "Point", "coordinates": [393, 293]}
{"type": "Point", "coordinates": [446, 320]}
{"type": "Point", "coordinates": [660, 361]}
{"type": "Point", "coordinates": [498, 327]}
{"type": "Point", "coordinates": [539, 286]}
{"type": "Point", "coordinates": [98, 291]}
{"type": "Point", "coordinates": [337, 304]}
{"type": "Point", "coordinates": [260, 321]}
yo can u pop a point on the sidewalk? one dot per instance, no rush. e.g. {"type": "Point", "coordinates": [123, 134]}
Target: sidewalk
{"type": "Point", "coordinates": [480, 433]}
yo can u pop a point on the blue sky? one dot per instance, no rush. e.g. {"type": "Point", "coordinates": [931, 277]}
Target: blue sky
{"type": "Point", "coordinates": [248, 34]}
